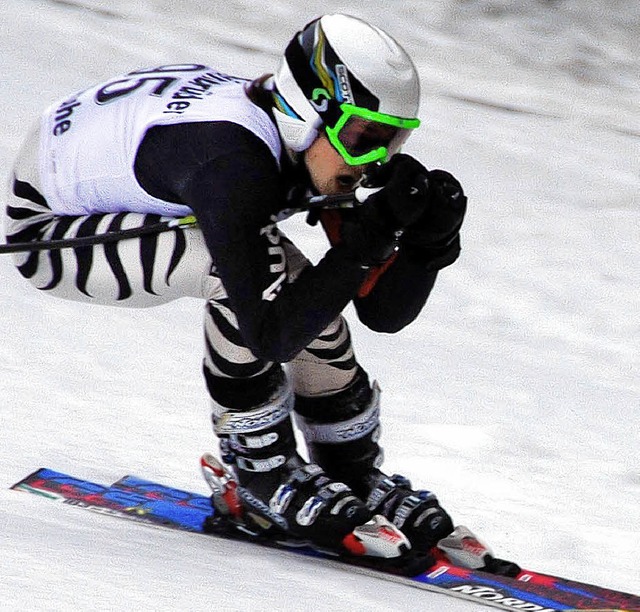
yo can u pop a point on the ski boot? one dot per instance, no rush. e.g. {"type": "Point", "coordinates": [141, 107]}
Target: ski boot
{"type": "Point", "coordinates": [268, 490]}
{"type": "Point", "coordinates": [341, 432]}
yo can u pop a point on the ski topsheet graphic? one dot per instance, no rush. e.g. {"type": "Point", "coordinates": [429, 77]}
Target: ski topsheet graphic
{"type": "Point", "coordinates": [156, 504]}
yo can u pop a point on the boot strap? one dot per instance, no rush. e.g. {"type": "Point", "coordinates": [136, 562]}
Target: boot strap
{"type": "Point", "coordinates": [354, 428]}
{"type": "Point", "coordinates": [260, 465]}
{"type": "Point", "coordinates": [263, 417]}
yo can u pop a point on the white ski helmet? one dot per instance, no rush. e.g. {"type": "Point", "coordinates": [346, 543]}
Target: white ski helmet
{"type": "Point", "coordinates": [351, 78]}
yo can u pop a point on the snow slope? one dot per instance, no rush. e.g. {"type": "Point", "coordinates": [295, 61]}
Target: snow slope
{"type": "Point", "coordinates": [514, 396]}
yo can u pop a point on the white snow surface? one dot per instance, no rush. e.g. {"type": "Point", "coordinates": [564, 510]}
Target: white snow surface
{"type": "Point", "coordinates": [515, 396]}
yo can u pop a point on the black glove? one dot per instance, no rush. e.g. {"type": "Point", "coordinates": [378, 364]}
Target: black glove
{"type": "Point", "coordinates": [435, 235]}
{"type": "Point", "coordinates": [370, 233]}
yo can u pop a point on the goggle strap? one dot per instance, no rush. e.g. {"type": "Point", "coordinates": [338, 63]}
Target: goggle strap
{"type": "Point", "coordinates": [308, 81]}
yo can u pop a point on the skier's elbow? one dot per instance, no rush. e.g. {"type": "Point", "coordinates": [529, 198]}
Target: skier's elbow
{"type": "Point", "coordinates": [381, 321]}
{"type": "Point", "coordinates": [383, 327]}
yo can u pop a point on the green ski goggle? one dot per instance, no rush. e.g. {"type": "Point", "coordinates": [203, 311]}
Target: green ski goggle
{"type": "Point", "coordinates": [363, 136]}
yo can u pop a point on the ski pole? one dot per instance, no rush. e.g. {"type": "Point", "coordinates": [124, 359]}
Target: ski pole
{"type": "Point", "coordinates": [311, 203]}
{"type": "Point", "coordinates": [107, 237]}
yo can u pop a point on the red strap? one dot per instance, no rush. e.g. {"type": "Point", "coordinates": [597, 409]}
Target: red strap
{"type": "Point", "coordinates": [331, 222]}
{"type": "Point", "coordinates": [374, 274]}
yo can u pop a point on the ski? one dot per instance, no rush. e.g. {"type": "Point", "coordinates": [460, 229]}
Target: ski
{"type": "Point", "coordinates": [152, 503]}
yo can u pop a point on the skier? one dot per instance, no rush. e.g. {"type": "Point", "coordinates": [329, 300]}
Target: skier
{"type": "Point", "coordinates": [185, 139]}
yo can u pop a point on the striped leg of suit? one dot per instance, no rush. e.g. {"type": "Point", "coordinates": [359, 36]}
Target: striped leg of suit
{"type": "Point", "coordinates": [326, 365]}
{"type": "Point", "coordinates": [137, 272]}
